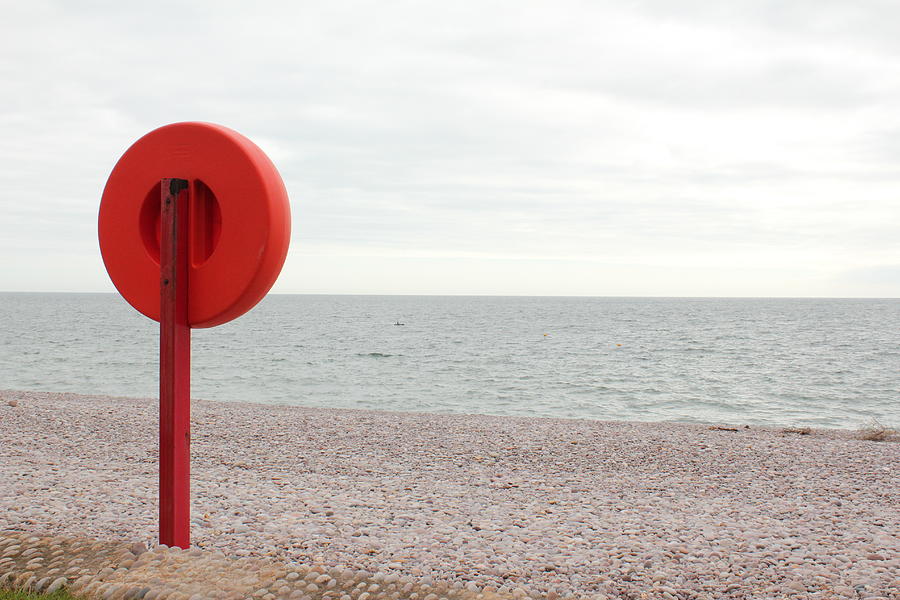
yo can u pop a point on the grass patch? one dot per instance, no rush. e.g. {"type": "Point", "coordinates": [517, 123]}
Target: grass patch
{"type": "Point", "coordinates": [876, 432]}
{"type": "Point", "coordinates": [11, 595]}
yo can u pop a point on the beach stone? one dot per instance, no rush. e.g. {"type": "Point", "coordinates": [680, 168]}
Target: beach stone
{"type": "Point", "coordinates": [110, 592]}
{"type": "Point", "coordinates": [56, 585]}
{"type": "Point", "coordinates": [39, 585]}
{"type": "Point", "coordinates": [138, 548]}
{"type": "Point", "coordinates": [13, 402]}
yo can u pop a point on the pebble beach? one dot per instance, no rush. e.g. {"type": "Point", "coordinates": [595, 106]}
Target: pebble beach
{"type": "Point", "coordinates": [516, 506]}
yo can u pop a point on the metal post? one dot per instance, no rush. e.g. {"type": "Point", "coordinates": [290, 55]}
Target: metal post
{"type": "Point", "coordinates": [174, 367]}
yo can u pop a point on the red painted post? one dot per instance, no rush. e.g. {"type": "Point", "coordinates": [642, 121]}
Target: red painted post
{"type": "Point", "coordinates": [174, 367]}
{"type": "Point", "coordinates": [227, 275]}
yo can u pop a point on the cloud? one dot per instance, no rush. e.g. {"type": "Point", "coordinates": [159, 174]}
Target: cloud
{"type": "Point", "coordinates": [882, 275]}
{"type": "Point", "coordinates": [755, 134]}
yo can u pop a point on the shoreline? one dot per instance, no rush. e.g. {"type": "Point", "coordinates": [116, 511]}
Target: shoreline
{"type": "Point", "coordinates": [561, 506]}
{"type": "Point", "coordinates": [849, 430]}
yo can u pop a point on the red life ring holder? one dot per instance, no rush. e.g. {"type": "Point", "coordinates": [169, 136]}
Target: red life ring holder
{"type": "Point", "coordinates": [240, 220]}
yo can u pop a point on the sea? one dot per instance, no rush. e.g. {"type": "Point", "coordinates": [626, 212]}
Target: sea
{"type": "Point", "coordinates": [741, 361]}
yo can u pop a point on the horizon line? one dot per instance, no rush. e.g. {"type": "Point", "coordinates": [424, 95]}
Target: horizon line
{"type": "Point", "coordinates": [466, 295]}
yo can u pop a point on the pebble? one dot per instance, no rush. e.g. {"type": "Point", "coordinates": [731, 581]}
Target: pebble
{"type": "Point", "coordinates": [630, 508]}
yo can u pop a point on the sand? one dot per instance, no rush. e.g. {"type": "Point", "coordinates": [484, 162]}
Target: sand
{"type": "Point", "coordinates": [545, 506]}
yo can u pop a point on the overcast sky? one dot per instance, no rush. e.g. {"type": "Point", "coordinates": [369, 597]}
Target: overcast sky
{"type": "Point", "coordinates": [666, 148]}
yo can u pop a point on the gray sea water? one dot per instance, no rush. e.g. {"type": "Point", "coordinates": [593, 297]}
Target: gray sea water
{"type": "Point", "coordinates": [816, 362]}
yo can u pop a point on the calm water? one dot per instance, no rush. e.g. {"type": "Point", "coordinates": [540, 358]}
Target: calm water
{"type": "Point", "coordinates": [833, 363]}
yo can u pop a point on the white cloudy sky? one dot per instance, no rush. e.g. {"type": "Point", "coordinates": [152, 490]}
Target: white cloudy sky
{"type": "Point", "coordinates": [657, 147]}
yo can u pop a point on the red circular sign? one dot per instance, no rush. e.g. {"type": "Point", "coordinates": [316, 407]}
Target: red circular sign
{"type": "Point", "coordinates": [240, 221]}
